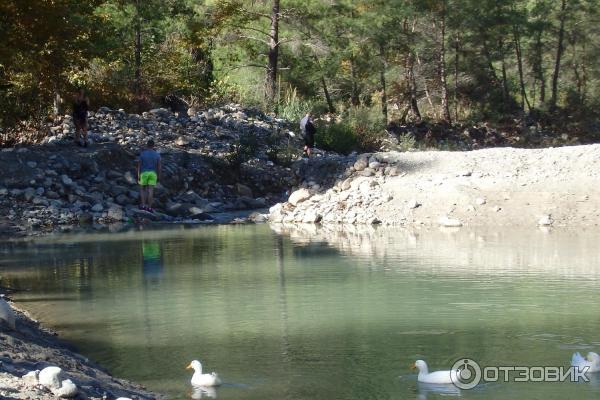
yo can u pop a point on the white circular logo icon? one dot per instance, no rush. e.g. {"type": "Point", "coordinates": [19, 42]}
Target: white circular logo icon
{"type": "Point", "coordinates": [466, 373]}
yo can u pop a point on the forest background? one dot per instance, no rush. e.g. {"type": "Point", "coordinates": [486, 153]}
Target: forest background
{"type": "Point", "coordinates": [369, 65]}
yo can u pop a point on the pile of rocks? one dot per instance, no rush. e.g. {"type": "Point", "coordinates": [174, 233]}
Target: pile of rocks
{"type": "Point", "coordinates": [60, 184]}
{"type": "Point", "coordinates": [352, 199]}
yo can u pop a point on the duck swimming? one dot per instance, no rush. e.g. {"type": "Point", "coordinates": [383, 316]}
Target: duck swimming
{"type": "Point", "coordinates": [437, 377]}
{"type": "Point", "coordinates": [200, 379]}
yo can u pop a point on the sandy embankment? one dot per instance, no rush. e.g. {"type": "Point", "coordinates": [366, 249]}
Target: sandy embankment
{"type": "Point", "coordinates": [491, 187]}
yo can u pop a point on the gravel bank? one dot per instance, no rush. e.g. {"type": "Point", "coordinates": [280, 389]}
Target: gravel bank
{"type": "Point", "coordinates": [32, 347]}
{"type": "Point", "coordinates": [491, 187]}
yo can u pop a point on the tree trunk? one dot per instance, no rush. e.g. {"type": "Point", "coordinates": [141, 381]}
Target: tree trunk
{"type": "Point", "coordinates": [456, 49]}
{"type": "Point", "coordinates": [538, 68]}
{"type": "Point", "coordinates": [57, 103]}
{"type": "Point", "coordinates": [330, 105]}
{"type": "Point", "coordinates": [412, 86]}
{"type": "Point", "coordinates": [517, 42]}
{"type": "Point", "coordinates": [488, 58]}
{"type": "Point", "coordinates": [273, 56]}
{"type": "Point", "coordinates": [409, 75]}
{"type": "Point", "coordinates": [355, 95]}
{"type": "Point", "coordinates": [559, 53]}
{"type": "Point", "coordinates": [327, 96]}
{"type": "Point", "coordinates": [505, 94]}
{"type": "Point", "coordinates": [442, 66]}
{"type": "Point", "coordinates": [384, 108]}
{"type": "Point", "coordinates": [426, 86]}
{"type": "Point", "coordinates": [584, 78]}
{"type": "Point", "coordinates": [138, 55]}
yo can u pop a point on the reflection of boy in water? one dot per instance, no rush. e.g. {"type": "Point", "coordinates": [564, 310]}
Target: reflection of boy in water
{"type": "Point", "coordinates": [152, 259]}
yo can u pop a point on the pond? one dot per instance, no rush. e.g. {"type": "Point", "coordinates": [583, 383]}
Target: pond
{"type": "Point", "coordinates": [302, 312]}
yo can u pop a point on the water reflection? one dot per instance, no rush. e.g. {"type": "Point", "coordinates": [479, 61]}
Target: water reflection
{"type": "Point", "coordinates": [428, 390]}
{"type": "Point", "coordinates": [570, 254]}
{"type": "Point", "coordinates": [202, 392]}
{"type": "Point", "coordinates": [152, 260]}
{"type": "Point", "coordinates": [304, 312]}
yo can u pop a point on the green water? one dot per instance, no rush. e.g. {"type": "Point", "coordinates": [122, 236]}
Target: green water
{"type": "Point", "coordinates": [303, 313]}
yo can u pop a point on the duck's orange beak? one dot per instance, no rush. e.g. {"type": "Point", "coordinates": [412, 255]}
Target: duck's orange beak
{"type": "Point", "coordinates": [189, 366]}
{"type": "Point", "coordinates": [413, 366]}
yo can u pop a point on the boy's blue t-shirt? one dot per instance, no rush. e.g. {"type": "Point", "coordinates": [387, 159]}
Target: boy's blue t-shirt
{"type": "Point", "coordinates": [149, 160]}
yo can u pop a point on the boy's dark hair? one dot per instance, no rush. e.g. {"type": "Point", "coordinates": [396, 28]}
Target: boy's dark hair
{"type": "Point", "coordinates": [150, 143]}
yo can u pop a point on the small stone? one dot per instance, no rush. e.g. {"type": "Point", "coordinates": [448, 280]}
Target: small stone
{"type": "Point", "coordinates": [412, 204]}
{"type": "Point", "coordinates": [480, 201]}
{"type": "Point", "coordinates": [361, 164]}
{"type": "Point", "coordinates": [97, 207]}
{"type": "Point", "coordinates": [115, 213]}
{"type": "Point", "coordinates": [445, 221]}
{"type": "Point", "coordinates": [66, 180]}
{"type": "Point", "coordinates": [374, 164]}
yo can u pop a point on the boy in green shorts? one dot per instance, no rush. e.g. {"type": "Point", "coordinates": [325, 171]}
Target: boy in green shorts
{"type": "Point", "coordinates": [148, 175]}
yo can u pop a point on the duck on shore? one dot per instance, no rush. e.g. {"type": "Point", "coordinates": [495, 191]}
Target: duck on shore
{"type": "Point", "coordinates": [7, 314]}
{"type": "Point", "coordinates": [50, 378]}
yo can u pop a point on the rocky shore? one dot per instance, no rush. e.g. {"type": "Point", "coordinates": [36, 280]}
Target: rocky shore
{"type": "Point", "coordinates": [30, 347]}
{"type": "Point", "coordinates": [214, 162]}
{"type": "Point", "coordinates": [490, 187]}
{"type": "Point", "coordinates": [231, 164]}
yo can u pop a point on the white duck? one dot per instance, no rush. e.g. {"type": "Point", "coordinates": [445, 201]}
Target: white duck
{"type": "Point", "coordinates": [437, 377]}
{"type": "Point", "coordinates": [200, 379]}
{"type": "Point", "coordinates": [66, 390]}
{"type": "Point", "coordinates": [50, 377]}
{"type": "Point", "coordinates": [592, 361]}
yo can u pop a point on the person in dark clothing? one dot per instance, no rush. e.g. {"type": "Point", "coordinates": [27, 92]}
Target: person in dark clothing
{"type": "Point", "coordinates": [308, 129]}
{"type": "Point", "coordinates": [80, 110]}
{"type": "Point", "coordinates": [148, 175]}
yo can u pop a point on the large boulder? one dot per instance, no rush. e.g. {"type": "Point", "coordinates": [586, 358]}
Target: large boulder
{"type": "Point", "coordinates": [299, 196]}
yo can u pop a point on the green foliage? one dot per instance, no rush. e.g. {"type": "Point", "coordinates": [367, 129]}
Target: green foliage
{"type": "Point", "coordinates": [368, 127]}
{"type": "Point", "coordinates": [281, 154]}
{"type": "Point", "coordinates": [41, 42]}
{"type": "Point", "coordinates": [242, 150]}
{"type": "Point", "coordinates": [359, 129]}
{"type": "Point", "coordinates": [330, 55]}
{"type": "Point", "coordinates": [406, 142]}
{"type": "Point", "coordinates": [336, 136]}
{"type": "Point", "coordinates": [292, 107]}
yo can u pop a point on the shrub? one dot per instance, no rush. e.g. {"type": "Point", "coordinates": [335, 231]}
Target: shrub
{"type": "Point", "coordinates": [336, 136]}
{"type": "Point", "coordinates": [280, 154]}
{"type": "Point", "coordinates": [361, 129]}
{"type": "Point", "coordinates": [242, 150]}
{"type": "Point", "coordinates": [368, 126]}
{"type": "Point", "coordinates": [406, 142]}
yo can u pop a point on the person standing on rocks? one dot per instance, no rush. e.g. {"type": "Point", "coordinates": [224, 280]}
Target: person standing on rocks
{"type": "Point", "coordinates": [80, 110]}
{"type": "Point", "coordinates": [148, 175]}
{"type": "Point", "coordinates": [308, 130]}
